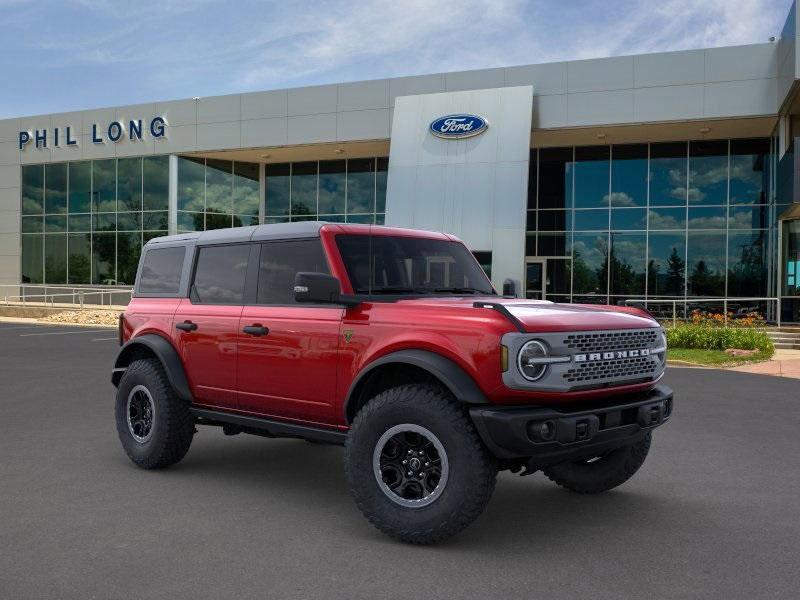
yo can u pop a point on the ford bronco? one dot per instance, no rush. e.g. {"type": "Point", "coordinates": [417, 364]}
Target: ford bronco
{"type": "Point", "coordinates": [393, 343]}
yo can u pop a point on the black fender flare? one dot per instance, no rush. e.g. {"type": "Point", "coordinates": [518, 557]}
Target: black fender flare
{"type": "Point", "coordinates": [460, 384]}
{"type": "Point", "coordinates": [166, 354]}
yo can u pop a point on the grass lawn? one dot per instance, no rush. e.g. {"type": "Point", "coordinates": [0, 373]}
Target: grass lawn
{"type": "Point", "coordinates": [716, 358]}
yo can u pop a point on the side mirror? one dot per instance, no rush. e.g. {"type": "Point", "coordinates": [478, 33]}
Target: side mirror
{"type": "Point", "coordinates": [510, 288]}
{"type": "Point", "coordinates": [319, 288]}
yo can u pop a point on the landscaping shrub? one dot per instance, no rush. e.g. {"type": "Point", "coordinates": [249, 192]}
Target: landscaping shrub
{"type": "Point", "coordinates": [717, 337]}
{"type": "Point", "coordinates": [745, 320]}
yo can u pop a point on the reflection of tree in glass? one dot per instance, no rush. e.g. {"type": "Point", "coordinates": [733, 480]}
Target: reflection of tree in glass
{"type": "Point", "coordinates": [55, 269]}
{"type": "Point", "coordinates": [215, 219]}
{"type": "Point", "coordinates": [104, 248]}
{"type": "Point", "coordinates": [653, 269]}
{"type": "Point", "coordinates": [624, 278]}
{"type": "Point", "coordinates": [745, 276]}
{"type": "Point", "coordinates": [300, 208]}
{"type": "Point", "coordinates": [128, 251]}
{"type": "Point", "coordinates": [583, 277]}
{"type": "Point", "coordinates": [676, 267]}
{"type": "Point", "coordinates": [704, 281]}
{"type": "Point", "coordinates": [590, 274]}
{"type": "Point", "coordinates": [669, 283]}
{"type": "Point", "coordinates": [79, 271]}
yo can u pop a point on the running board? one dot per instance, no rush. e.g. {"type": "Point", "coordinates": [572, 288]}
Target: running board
{"type": "Point", "coordinates": [269, 427]}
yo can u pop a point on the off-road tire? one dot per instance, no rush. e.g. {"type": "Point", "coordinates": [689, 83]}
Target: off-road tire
{"type": "Point", "coordinates": [172, 427]}
{"type": "Point", "coordinates": [472, 470]}
{"type": "Point", "coordinates": [607, 472]}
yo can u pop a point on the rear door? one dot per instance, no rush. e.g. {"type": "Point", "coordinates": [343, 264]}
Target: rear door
{"type": "Point", "coordinates": [288, 351]}
{"type": "Point", "coordinates": [206, 324]}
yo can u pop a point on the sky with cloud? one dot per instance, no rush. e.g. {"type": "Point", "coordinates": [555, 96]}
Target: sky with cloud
{"type": "Point", "coordinates": [61, 55]}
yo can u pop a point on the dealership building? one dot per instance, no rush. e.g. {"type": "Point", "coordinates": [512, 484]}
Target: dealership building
{"type": "Point", "coordinates": [664, 178]}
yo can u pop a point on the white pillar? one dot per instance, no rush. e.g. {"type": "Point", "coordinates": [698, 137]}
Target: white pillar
{"type": "Point", "coordinates": [172, 219]}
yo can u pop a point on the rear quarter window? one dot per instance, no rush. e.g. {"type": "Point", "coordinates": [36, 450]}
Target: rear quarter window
{"type": "Point", "coordinates": [161, 270]}
{"type": "Point", "coordinates": [220, 274]}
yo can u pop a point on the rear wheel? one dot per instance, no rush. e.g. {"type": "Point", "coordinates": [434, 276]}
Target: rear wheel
{"type": "Point", "coordinates": [415, 465]}
{"type": "Point", "coordinates": [601, 473]}
{"type": "Point", "coordinates": [153, 424]}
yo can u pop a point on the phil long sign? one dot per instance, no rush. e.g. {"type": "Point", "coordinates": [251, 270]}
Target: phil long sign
{"type": "Point", "coordinates": [458, 126]}
{"type": "Point", "coordinates": [114, 132]}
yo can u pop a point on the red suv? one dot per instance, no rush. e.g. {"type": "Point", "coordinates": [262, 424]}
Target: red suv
{"type": "Point", "coordinates": [393, 343]}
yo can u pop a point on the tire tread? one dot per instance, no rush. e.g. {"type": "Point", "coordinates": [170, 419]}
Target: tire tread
{"type": "Point", "coordinates": [434, 398]}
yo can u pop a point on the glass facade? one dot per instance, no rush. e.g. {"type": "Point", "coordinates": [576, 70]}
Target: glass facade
{"type": "Point", "coordinates": [660, 221]}
{"type": "Point", "coordinates": [85, 222]}
{"type": "Point", "coordinates": [214, 194]}
{"type": "Point", "coordinates": [352, 191]}
{"type": "Point", "coordinates": [678, 220]}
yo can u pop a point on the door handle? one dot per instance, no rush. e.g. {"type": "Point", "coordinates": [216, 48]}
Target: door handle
{"type": "Point", "coordinates": [256, 330]}
{"type": "Point", "coordinates": [186, 326]}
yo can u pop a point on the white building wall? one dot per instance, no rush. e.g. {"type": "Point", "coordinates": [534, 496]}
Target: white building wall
{"type": "Point", "coordinates": [475, 188]}
{"type": "Point", "coordinates": [9, 209]}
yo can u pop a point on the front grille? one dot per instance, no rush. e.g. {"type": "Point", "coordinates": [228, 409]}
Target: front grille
{"type": "Point", "coordinates": [609, 370]}
{"type": "Point", "coordinates": [608, 341]}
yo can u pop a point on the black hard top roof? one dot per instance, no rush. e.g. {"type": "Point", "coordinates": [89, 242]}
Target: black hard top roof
{"type": "Point", "coordinates": [274, 231]}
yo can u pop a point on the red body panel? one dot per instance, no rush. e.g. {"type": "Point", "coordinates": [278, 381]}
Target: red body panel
{"type": "Point", "coordinates": [305, 367]}
{"type": "Point", "coordinates": [291, 372]}
{"type": "Point", "coordinates": [209, 353]}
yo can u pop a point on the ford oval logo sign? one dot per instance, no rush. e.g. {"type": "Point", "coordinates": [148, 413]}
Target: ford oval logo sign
{"type": "Point", "coordinates": [458, 126]}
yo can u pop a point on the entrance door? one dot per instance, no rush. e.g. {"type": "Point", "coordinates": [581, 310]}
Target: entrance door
{"type": "Point", "coordinates": [790, 271]}
{"type": "Point", "coordinates": [535, 277]}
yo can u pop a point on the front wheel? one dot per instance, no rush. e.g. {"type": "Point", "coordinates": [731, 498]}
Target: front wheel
{"type": "Point", "coordinates": [415, 465]}
{"type": "Point", "coordinates": [601, 473]}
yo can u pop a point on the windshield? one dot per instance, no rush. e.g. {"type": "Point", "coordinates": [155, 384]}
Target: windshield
{"type": "Point", "coordinates": [407, 265]}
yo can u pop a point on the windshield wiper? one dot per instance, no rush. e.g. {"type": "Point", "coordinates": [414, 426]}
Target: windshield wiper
{"type": "Point", "coordinates": [401, 289]}
{"type": "Point", "coordinates": [398, 289]}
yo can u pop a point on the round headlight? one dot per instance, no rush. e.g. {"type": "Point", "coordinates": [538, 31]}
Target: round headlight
{"type": "Point", "coordinates": [662, 343]}
{"type": "Point", "coordinates": [529, 358]}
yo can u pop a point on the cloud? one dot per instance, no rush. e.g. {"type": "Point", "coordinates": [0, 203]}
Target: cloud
{"type": "Point", "coordinates": [102, 52]}
{"type": "Point", "coordinates": [662, 219]}
{"type": "Point", "coordinates": [619, 199]}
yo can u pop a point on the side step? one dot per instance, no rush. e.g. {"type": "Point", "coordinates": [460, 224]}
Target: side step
{"type": "Point", "coordinates": [269, 427]}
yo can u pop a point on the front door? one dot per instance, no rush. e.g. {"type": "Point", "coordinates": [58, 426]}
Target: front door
{"type": "Point", "coordinates": [288, 352]}
{"type": "Point", "coordinates": [535, 277]}
{"type": "Point", "coordinates": [207, 323]}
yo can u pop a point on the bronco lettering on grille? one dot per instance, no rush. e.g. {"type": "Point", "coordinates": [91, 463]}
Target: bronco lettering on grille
{"type": "Point", "coordinates": [594, 356]}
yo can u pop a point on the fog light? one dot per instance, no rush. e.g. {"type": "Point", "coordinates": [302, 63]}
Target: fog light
{"type": "Point", "coordinates": [547, 430]}
{"type": "Point", "coordinates": [542, 431]}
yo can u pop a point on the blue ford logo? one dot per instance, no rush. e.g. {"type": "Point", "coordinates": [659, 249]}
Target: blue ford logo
{"type": "Point", "coordinates": [458, 126]}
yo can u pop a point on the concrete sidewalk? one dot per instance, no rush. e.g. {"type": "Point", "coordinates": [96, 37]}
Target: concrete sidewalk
{"type": "Point", "coordinates": [785, 363]}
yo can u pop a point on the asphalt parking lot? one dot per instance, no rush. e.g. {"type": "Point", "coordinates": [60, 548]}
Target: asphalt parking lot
{"type": "Point", "coordinates": [714, 512]}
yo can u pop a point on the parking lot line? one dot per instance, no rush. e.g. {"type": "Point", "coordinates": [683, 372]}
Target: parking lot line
{"type": "Point", "coordinates": [21, 327]}
{"type": "Point", "coordinates": [60, 332]}
{"type": "Point", "coordinates": [105, 339]}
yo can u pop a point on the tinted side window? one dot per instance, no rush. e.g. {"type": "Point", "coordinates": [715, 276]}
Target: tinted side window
{"type": "Point", "coordinates": [161, 270]}
{"type": "Point", "coordinates": [280, 262]}
{"type": "Point", "coordinates": [220, 274]}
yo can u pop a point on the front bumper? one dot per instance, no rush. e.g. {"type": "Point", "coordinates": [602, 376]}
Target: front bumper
{"type": "Point", "coordinates": [550, 436]}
